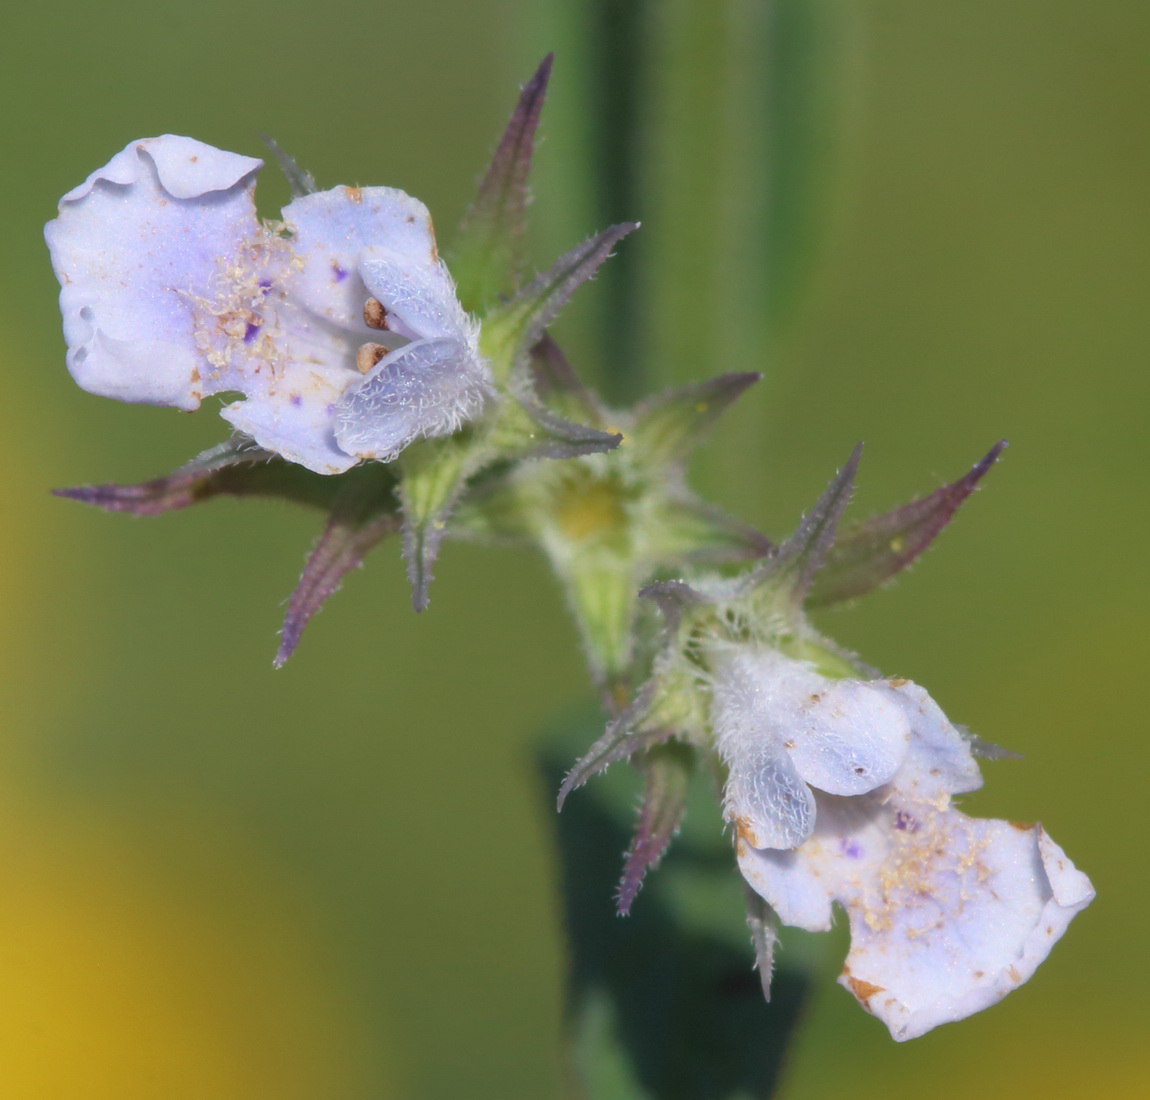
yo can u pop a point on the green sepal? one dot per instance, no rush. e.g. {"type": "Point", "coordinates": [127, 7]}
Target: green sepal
{"type": "Point", "coordinates": [670, 705]}
{"type": "Point", "coordinates": [527, 429]}
{"type": "Point", "coordinates": [603, 590]}
{"type": "Point", "coordinates": [788, 573]}
{"type": "Point", "coordinates": [668, 427]}
{"type": "Point", "coordinates": [491, 512]}
{"type": "Point", "coordinates": [512, 329]}
{"type": "Point", "coordinates": [486, 254]}
{"type": "Point", "coordinates": [435, 473]}
{"type": "Point", "coordinates": [625, 735]}
{"type": "Point", "coordinates": [556, 384]}
{"type": "Point", "coordinates": [688, 530]}
{"type": "Point", "coordinates": [663, 1004]}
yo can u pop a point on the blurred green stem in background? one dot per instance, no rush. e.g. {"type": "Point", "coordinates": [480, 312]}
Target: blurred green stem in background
{"type": "Point", "coordinates": [717, 123]}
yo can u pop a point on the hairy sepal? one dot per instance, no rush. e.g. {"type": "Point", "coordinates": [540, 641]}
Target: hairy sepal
{"type": "Point", "coordinates": [666, 770]}
{"type": "Point", "coordinates": [625, 735]}
{"type": "Point", "coordinates": [510, 330]}
{"type": "Point", "coordinates": [486, 256]}
{"type": "Point", "coordinates": [236, 467]}
{"type": "Point", "coordinates": [692, 531]}
{"type": "Point", "coordinates": [362, 515]}
{"type": "Point", "coordinates": [435, 474]}
{"type": "Point", "coordinates": [867, 554]}
{"type": "Point", "coordinates": [763, 925]}
{"type": "Point", "coordinates": [558, 386]}
{"type": "Point", "coordinates": [555, 437]}
{"type": "Point", "coordinates": [792, 568]}
{"type": "Point", "coordinates": [670, 426]}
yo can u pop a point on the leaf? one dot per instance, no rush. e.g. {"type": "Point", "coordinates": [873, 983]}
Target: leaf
{"type": "Point", "coordinates": [867, 554]}
{"type": "Point", "coordinates": [512, 329]}
{"type": "Point", "coordinates": [667, 772]}
{"type": "Point", "coordinates": [799, 558]}
{"type": "Point", "coordinates": [234, 468]}
{"type": "Point", "coordinates": [301, 182]}
{"type": "Point", "coordinates": [487, 254]}
{"type": "Point", "coordinates": [360, 518]}
{"type": "Point", "coordinates": [669, 426]}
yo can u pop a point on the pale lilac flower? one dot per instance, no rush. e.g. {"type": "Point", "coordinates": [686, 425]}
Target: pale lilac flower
{"type": "Point", "coordinates": [947, 913]}
{"type": "Point", "coordinates": [339, 326]}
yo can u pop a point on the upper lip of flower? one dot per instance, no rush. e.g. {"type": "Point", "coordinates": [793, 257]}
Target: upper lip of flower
{"type": "Point", "coordinates": [173, 290]}
{"type": "Point", "coordinates": [782, 728]}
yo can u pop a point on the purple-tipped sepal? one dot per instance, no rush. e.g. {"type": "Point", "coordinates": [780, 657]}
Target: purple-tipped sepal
{"type": "Point", "coordinates": [868, 553]}
{"type": "Point", "coordinates": [666, 771]}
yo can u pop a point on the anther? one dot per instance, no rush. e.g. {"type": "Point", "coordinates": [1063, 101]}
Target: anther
{"type": "Point", "coordinates": [368, 355]}
{"type": "Point", "coordinates": [374, 315]}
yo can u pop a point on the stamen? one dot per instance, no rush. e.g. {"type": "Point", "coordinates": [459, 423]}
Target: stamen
{"type": "Point", "coordinates": [374, 315]}
{"type": "Point", "coordinates": [368, 355]}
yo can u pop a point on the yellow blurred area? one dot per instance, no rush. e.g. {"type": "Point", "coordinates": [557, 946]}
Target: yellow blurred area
{"type": "Point", "coordinates": [113, 986]}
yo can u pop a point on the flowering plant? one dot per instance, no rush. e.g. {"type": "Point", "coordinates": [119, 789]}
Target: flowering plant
{"type": "Point", "coordinates": [400, 391]}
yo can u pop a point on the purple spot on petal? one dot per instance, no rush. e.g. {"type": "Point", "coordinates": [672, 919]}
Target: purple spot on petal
{"type": "Point", "coordinates": [905, 823]}
{"type": "Point", "coordinates": [296, 400]}
{"type": "Point", "coordinates": [250, 331]}
{"type": "Point", "coordinates": [850, 848]}
{"type": "Point", "coordinates": [265, 285]}
{"type": "Point", "coordinates": [331, 409]}
{"type": "Point", "coordinates": [338, 274]}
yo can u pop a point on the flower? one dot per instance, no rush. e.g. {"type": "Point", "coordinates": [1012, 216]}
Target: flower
{"type": "Point", "coordinates": [339, 326]}
{"type": "Point", "coordinates": [947, 913]}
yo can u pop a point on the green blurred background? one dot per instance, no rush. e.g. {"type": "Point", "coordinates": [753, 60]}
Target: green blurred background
{"type": "Point", "coordinates": [336, 881]}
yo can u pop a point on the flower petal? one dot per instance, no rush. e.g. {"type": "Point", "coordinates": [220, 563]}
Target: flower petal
{"type": "Point", "coordinates": [769, 804]}
{"type": "Point", "coordinates": [967, 911]}
{"type": "Point", "coordinates": [780, 725]}
{"type": "Point", "coordinates": [793, 882]}
{"type": "Point", "coordinates": [130, 246]}
{"type": "Point", "coordinates": [332, 228]}
{"type": "Point", "coordinates": [186, 168]}
{"type": "Point", "coordinates": [941, 762]}
{"type": "Point", "coordinates": [289, 410]}
{"type": "Point", "coordinates": [847, 738]}
{"type": "Point", "coordinates": [765, 797]}
{"type": "Point", "coordinates": [419, 298]}
{"type": "Point", "coordinates": [426, 388]}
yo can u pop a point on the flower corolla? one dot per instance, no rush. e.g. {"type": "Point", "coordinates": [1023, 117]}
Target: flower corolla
{"type": "Point", "coordinates": [947, 913]}
{"type": "Point", "coordinates": [339, 326]}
